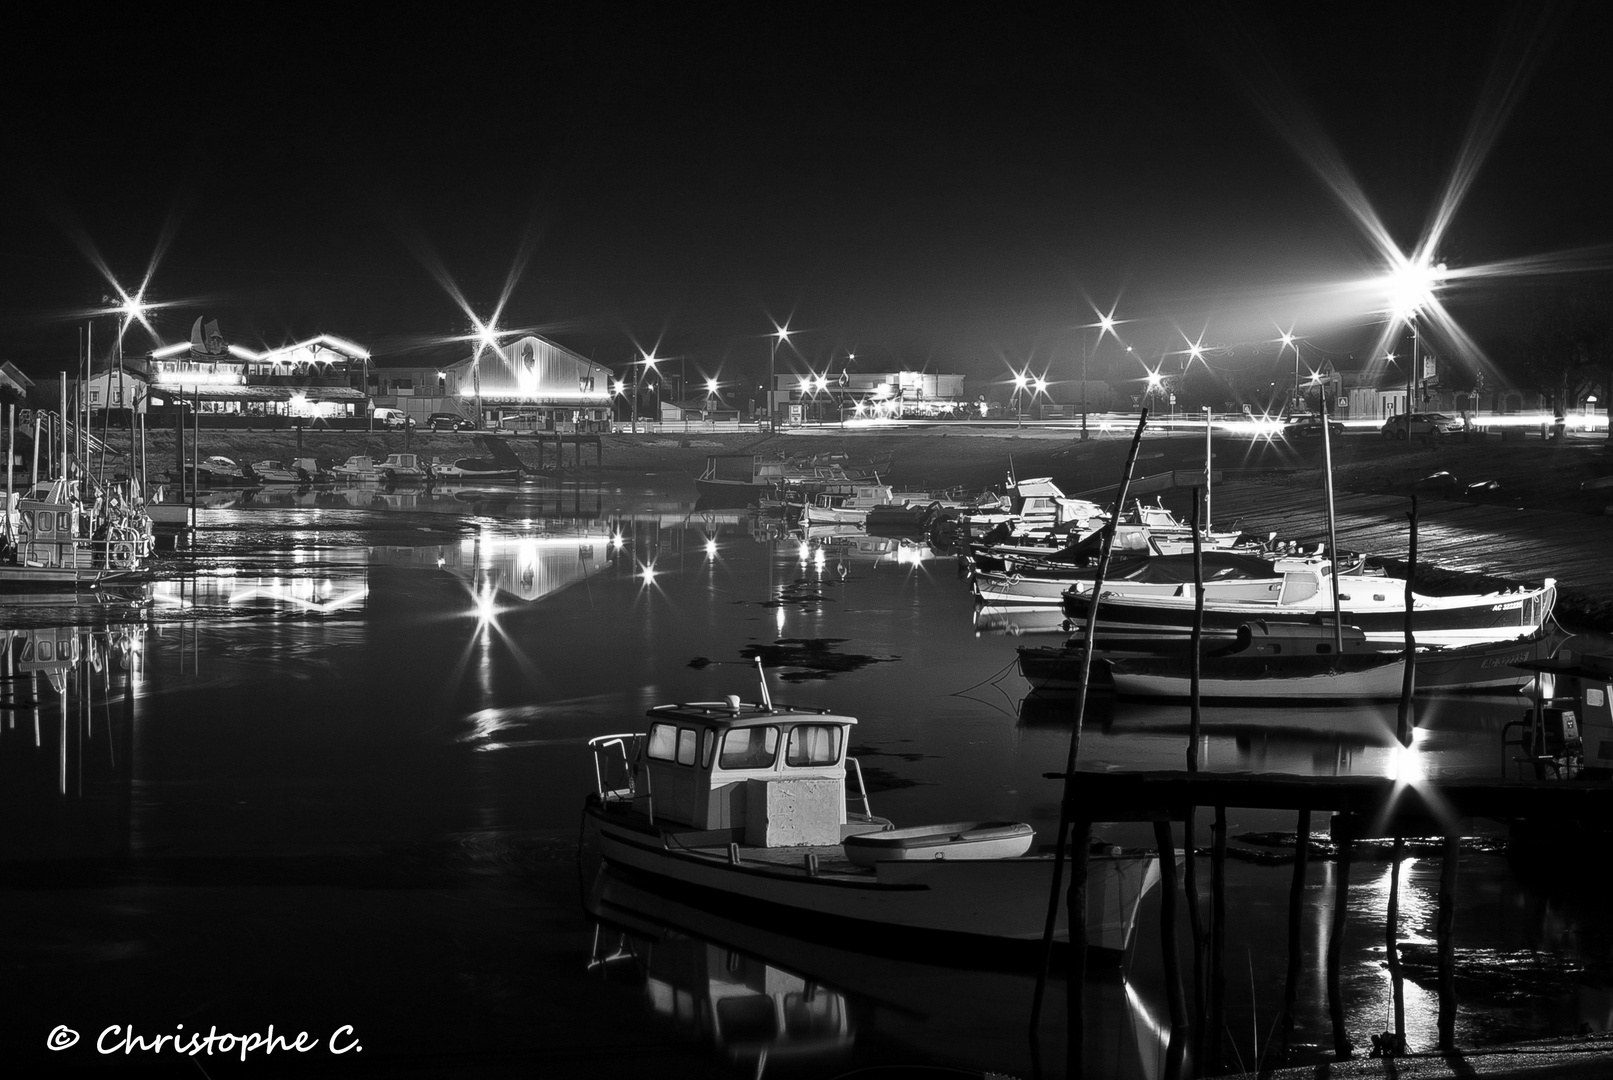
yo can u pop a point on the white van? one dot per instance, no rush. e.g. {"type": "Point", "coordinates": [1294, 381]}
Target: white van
{"type": "Point", "coordinates": [392, 418]}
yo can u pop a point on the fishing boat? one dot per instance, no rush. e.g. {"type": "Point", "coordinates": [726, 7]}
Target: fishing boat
{"type": "Point", "coordinates": [276, 472]}
{"type": "Point", "coordinates": [218, 471]}
{"type": "Point", "coordinates": [1376, 604]}
{"type": "Point", "coordinates": [747, 806]}
{"type": "Point", "coordinates": [472, 470]}
{"type": "Point", "coordinates": [359, 469]}
{"type": "Point", "coordinates": [1034, 504]}
{"type": "Point", "coordinates": [1226, 574]}
{"type": "Point", "coordinates": [71, 535]}
{"type": "Point", "coordinates": [1488, 667]}
{"type": "Point", "coordinates": [401, 468]}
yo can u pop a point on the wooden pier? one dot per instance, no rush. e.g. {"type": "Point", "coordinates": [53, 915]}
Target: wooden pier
{"type": "Point", "coordinates": [577, 439]}
{"type": "Point", "coordinates": [1362, 808]}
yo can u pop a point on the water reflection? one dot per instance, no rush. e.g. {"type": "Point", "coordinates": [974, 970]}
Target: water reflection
{"type": "Point", "coordinates": [755, 994]}
{"type": "Point", "coordinates": [67, 695]}
{"type": "Point", "coordinates": [330, 593]}
{"type": "Point", "coordinates": [524, 567]}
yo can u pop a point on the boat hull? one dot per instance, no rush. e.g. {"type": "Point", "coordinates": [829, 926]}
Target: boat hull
{"type": "Point", "coordinates": [1349, 677]}
{"type": "Point", "coordinates": [1455, 621]}
{"type": "Point", "coordinates": [990, 902]}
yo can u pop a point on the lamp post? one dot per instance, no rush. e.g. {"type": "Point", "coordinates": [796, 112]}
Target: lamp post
{"type": "Point", "coordinates": [1019, 388]}
{"type": "Point", "coordinates": [1288, 339]}
{"type": "Point", "coordinates": [1104, 325]}
{"type": "Point", "coordinates": [779, 335]}
{"type": "Point", "coordinates": [1411, 286]}
{"type": "Point", "coordinates": [486, 338]}
{"type": "Point", "coordinates": [639, 367]}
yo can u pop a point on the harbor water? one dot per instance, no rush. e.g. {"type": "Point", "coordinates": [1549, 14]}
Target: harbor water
{"type": "Point", "coordinates": [327, 773]}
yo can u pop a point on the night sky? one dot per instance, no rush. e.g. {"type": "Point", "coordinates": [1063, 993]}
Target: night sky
{"type": "Point", "coordinates": [925, 186]}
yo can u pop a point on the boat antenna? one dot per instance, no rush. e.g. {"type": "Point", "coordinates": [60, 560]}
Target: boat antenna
{"type": "Point", "coordinates": [761, 673]}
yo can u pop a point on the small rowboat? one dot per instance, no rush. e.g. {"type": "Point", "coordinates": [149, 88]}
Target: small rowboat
{"type": "Point", "coordinates": [957, 840]}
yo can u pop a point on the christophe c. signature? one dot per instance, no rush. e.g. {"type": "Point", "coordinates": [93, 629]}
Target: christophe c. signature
{"type": "Point", "coordinates": [123, 1039]}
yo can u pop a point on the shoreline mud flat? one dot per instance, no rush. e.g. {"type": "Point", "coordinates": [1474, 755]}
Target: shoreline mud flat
{"type": "Point", "coordinates": [1516, 510]}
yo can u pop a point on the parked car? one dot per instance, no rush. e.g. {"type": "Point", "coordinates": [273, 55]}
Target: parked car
{"type": "Point", "coordinates": [1420, 424]}
{"type": "Point", "coordinates": [447, 421]}
{"type": "Point", "coordinates": [393, 418]}
{"type": "Point", "coordinates": [1308, 426]}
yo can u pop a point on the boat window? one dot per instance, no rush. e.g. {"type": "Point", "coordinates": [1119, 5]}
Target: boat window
{"type": "Point", "coordinates": [64, 521]}
{"type": "Point", "coordinates": [813, 744]}
{"type": "Point", "coordinates": [708, 744]}
{"type": "Point", "coordinates": [749, 748]}
{"type": "Point", "coordinates": [686, 746]}
{"type": "Point", "coordinates": [663, 741]}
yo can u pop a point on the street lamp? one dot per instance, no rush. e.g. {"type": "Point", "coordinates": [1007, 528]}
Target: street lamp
{"type": "Point", "coordinates": [639, 367]}
{"type": "Point", "coordinates": [1411, 285]}
{"type": "Point", "coordinates": [779, 335]}
{"type": "Point", "coordinates": [1019, 388]}
{"type": "Point", "coordinates": [1288, 339]}
{"type": "Point", "coordinates": [1104, 325]}
{"type": "Point", "coordinates": [486, 338]}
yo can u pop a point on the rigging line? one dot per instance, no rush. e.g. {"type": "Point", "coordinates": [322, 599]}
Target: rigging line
{"type": "Point", "coordinates": [992, 678]}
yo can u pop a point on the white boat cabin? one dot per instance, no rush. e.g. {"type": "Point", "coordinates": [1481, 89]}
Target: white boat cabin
{"type": "Point", "coordinates": [768, 776]}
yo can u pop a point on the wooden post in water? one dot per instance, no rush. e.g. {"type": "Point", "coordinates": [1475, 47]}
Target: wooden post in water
{"type": "Point", "coordinates": [1076, 917]}
{"type": "Point", "coordinates": [1078, 962]}
{"type": "Point", "coordinates": [1167, 933]}
{"type": "Point", "coordinates": [1190, 883]}
{"type": "Point", "coordinates": [1218, 939]}
{"type": "Point", "coordinates": [179, 446]}
{"type": "Point", "coordinates": [1335, 947]}
{"type": "Point", "coordinates": [1296, 911]}
{"type": "Point", "coordinates": [1332, 527]}
{"type": "Point", "coordinates": [1408, 684]}
{"type": "Point", "coordinates": [1443, 929]}
{"type": "Point", "coordinates": [1391, 945]}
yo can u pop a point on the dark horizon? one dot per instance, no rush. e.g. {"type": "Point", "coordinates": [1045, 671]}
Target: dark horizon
{"type": "Point", "coordinates": [953, 196]}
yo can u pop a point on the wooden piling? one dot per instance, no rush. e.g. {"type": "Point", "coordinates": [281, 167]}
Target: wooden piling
{"type": "Point", "coordinates": [1335, 950]}
{"type": "Point", "coordinates": [1076, 917]}
{"type": "Point", "coordinates": [1408, 684]}
{"type": "Point", "coordinates": [1167, 925]}
{"type": "Point", "coordinates": [1444, 927]}
{"type": "Point", "coordinates": [1218, 939]}
{"type": "Point", "coordinates": [1391, 933]}
{"type": "Point", "coordinates": [1296, 908]}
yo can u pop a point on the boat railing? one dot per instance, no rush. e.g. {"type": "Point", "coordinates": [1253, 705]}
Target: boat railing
{"type": "Point", "coordinates": [613, 753]}
{"type": "Point", "coordinates": [862, 788]}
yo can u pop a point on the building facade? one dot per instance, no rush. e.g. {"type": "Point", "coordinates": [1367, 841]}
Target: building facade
{"type": "Point", "coordinates": [320, 378]}
{"type": "Point", "coordinates": [528, 384]}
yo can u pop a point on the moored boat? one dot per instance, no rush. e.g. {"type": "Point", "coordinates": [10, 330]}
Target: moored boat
{"type": "Point", "coordinates": [468, 470]}
{"type": "Point", "coordinates": [64, 535]}
{"type": "Point", "coordinates": [747, 805]}
{"type": "Point", "coordinates": [1375, 604]}
{"type": "Point", "coordinates": [1288, 677]}
{"type": "Point", "coordinates": [360, 468]}
{"type": "Point", "coordinates": [401, 468]}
